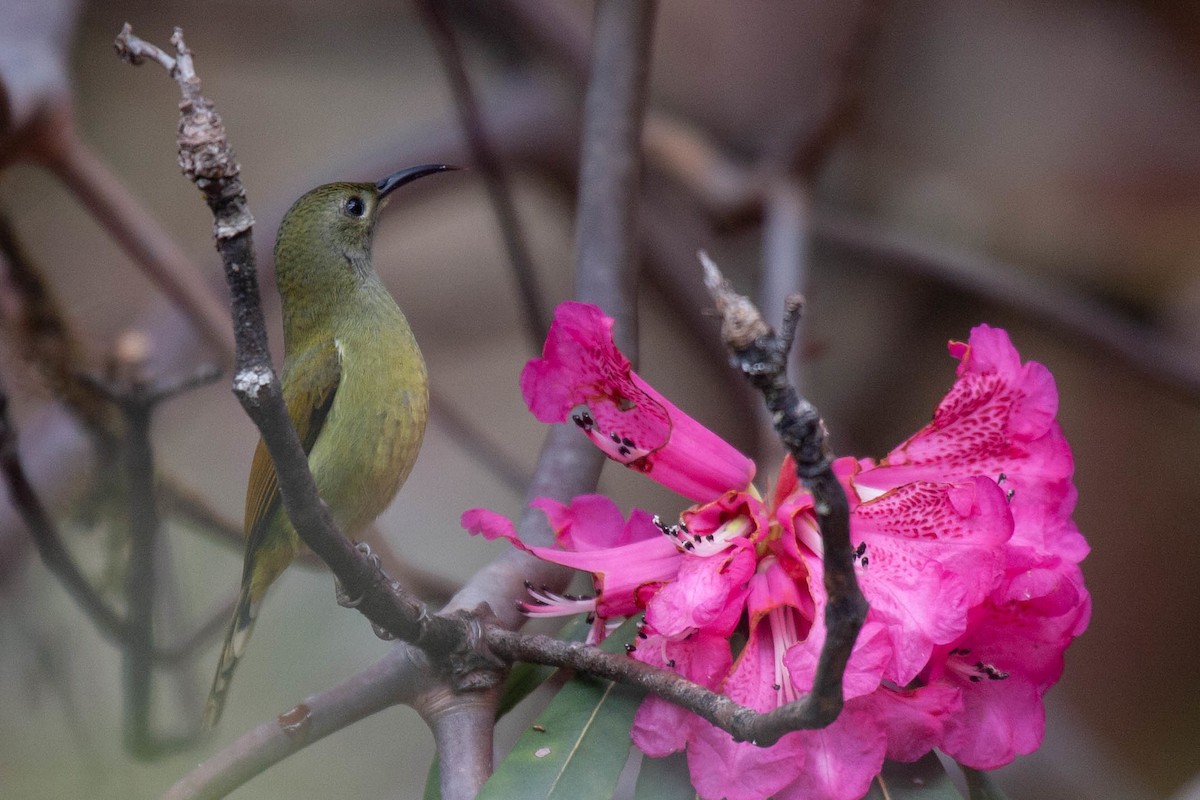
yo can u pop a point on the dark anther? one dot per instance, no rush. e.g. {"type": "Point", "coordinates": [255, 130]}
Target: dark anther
{"type": "Point", "coordinates": [616, 437]}
{"type": "Point", "coordinates": [625, 440]}
{"type": "Point", "coordinates": [629, 648]}
{"type": "Point", "coordinates": [623, 450]}
{"type": "Point", "coordinates": [1009, 495]}
{"type": "Point", "coordinates": [1002, 478]}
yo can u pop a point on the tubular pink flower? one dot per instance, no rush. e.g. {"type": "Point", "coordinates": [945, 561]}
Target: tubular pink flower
{"type": "Point", "coordinates": [998, 421]}
{"type": "Point", "coordinates": [966, 552]}
{"type": "Point", "coordinates": [1010, 655]}
{"type": "Point", "coordinates": [581, 374]}
{"type": "Point", "coordinates": [619, 573]}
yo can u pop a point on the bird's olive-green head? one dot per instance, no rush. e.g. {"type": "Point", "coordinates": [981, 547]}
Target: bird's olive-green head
{"type": "Point", "coordinates": [323, 252]}
{"type": "Point", "coordinates": [324, 242]}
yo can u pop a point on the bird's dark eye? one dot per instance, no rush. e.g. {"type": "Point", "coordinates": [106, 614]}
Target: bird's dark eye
{"type": "Point", "coordinates": [355, 207]}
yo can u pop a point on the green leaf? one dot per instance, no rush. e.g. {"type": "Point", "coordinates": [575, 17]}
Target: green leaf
{"type": "Point", "coordinates": [433, 781]}
{"type": "Point", "coordinates": [980, 785]}
{"type": "Point", "coordinates": [665, 779]}
{"type": "Point", "coordinates": [925, 779]}
{"type": "Point", "coordinates": [578, 746]}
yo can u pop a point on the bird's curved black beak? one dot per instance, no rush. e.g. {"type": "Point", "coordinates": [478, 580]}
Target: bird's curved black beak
{"type": "Point", "coordinates": [398, 179]}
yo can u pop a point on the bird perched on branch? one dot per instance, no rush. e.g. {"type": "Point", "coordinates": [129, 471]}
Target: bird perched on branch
{"type": "Point", "coordinates": [354, 384]}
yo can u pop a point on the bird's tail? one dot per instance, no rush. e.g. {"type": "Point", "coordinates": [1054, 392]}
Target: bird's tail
{"type": "Point", "coordinates": [235, 645]}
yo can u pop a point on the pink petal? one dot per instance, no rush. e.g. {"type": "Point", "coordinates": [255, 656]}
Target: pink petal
{"type": "Point", "coordinates": [993, 420]}
{"type": "Point", "coordinates": [1009, 656]}
{"type": "Point", "coordinates": [593, 522]}
{"type": "Point", "coordinates": [620, 572]}
{"type": "Point", "coordinates": [490, 525]}
{"type": "Point", "coordinates": [917, 605]}
{"type": "Point", "coordinates": [914, 719]}
{"type": "Point", "coordinates": [962, 526]}
{"type": "Point", "coordinates": [871, 654]}
{"type": "Point", "coordinates": [661, 728]}
{"type": "Point", "coordinates": [722, 768]}
{"type": "Point", "coordinates": [997, 724]}
{"type": "Point", "coordinates": [582, 374]}
{"type": "Point", "coordinates": [707, 594]}
{"type": "Point", "coordinates": [710, 527]}
{"type": "Point", "coordinates": [840, 760]}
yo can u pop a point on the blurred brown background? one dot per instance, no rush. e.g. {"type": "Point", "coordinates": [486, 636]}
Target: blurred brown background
{"type": "Point", "coordinates": [1061, 137]}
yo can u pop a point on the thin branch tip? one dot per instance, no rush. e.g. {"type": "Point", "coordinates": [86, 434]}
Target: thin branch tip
{"type": "Point", "coordinates": [741, 322]}
{"type": "Point", "coordinates": [134, 50]}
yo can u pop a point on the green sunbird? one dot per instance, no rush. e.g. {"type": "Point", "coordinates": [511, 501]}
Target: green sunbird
{"type": "Point", "coordinates": [354, 383]}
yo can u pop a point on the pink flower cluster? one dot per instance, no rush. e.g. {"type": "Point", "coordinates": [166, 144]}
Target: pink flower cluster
{"type": "Point", "coordinates": [965, 550]}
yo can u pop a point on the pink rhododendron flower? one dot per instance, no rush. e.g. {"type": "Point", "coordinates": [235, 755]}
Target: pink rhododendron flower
{"type": "Point", "coordinates": [583, 376]}
{"type": "Point", "coordinates": [965, 550]}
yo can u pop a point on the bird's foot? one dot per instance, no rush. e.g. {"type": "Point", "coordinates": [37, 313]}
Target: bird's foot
{"type": "Point", "coordinates": [343, 597]}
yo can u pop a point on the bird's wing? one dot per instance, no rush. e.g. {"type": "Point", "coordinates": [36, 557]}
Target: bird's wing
{"type": "Point", "coordinates": [308, 399]}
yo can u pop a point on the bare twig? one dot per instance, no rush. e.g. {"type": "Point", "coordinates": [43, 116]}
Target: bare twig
{"type": "Point", "coordinates": [462, 728]}
{"type": "Point", "coordinates": [495, 176]}
{"type": "Point", "coordinates": [762, 356]}
{"type": "Point", "coordinates": [46, 537]}
{"type": "Point", "coordinates": [136, 398]}
{"type": "Point", "coordinates": [393, 679]}
{"type": "Point", "coordinates": [605, 252]}
{"type": "Point", "coordinates": [140, 580]}
{"type": "Point", "coordinates": [785, 268]}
